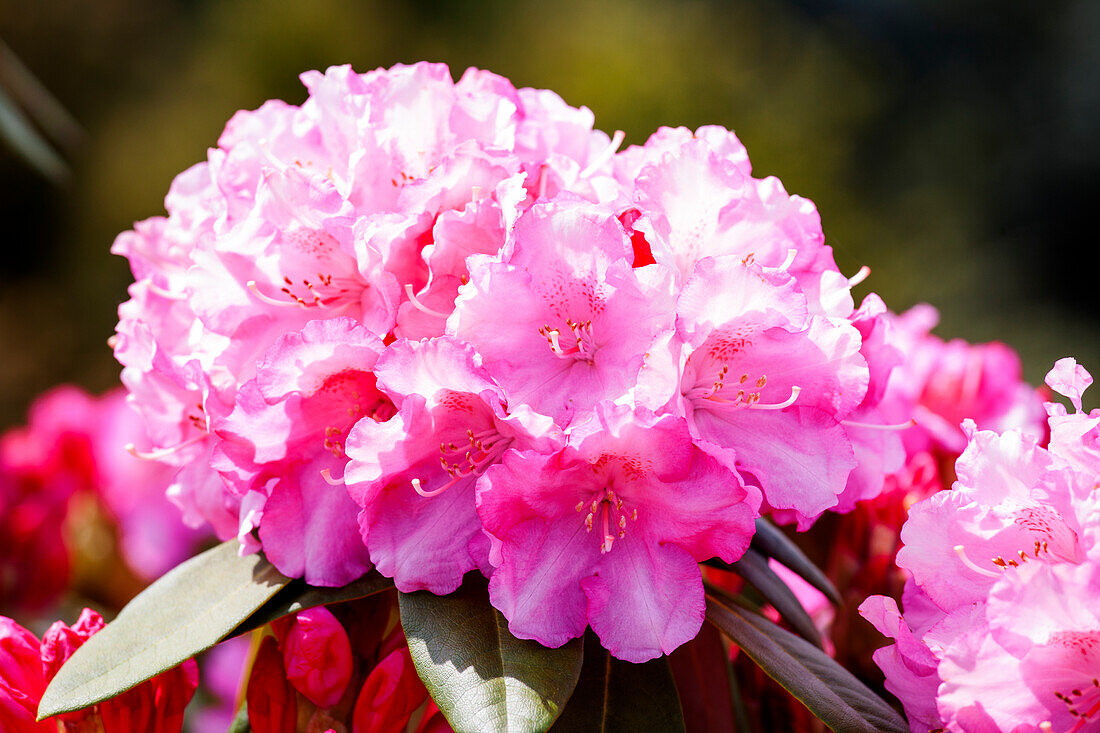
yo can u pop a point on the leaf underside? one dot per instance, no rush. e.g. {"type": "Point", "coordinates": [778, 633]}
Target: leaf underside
{"type": "Point", "coordinates": [613, 695]}
{"type": "Point", "coordinates": [481, 677]}
{"type": "Point", "coordinates": [828, 690]}
{"type": "Point", "coordinates": [770, 541]}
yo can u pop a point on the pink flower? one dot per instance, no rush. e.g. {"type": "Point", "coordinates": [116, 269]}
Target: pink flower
{"type": "Point", "coordinates": [1000, 631]}
{"type": "Point", "coordinates": [697, 199]}
{"type": "Point", "coordinates": [414, 475]}
{"type": "Point", "coordinates": [1010, 505]}
{"type": "Point", "coordinates": [650, 505]}
{"type": "Point", "coordinates": [758, 376]}
{"type": "Point", "coordinates": [562, 321]}
{"type": "Point", "coordinates": [288, 427]}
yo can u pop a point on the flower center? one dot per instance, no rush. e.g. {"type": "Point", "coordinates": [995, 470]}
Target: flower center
{"type": "Point", "coordinates": [606, 508]}
{"type": "Point", "coordinates": [744, 394]}
{"type": "Point", "coordinates": [380, 410]}
{"type": "Point", "coordinates": [322, 292]}
{"type": "Point", "coordinates": [574, 342]}
{"type": "Point", "coordinates": [463, 459]}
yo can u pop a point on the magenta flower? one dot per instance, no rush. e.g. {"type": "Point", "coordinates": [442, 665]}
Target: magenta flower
{"type": "Point", "coordinates": [414, 475]}
{"type": "Point", "coordinates": [608, 532]}
{"type": "Point", "coordinates": [288, 430]}
{"type": "Point", "coordinates": [755, 375]}
{"type": "Point", "coordinates": [698, 199]}
{"type": "Point", "coordinates": [1011, 505]}
{"type": "Point", "coordinates": [563, 321]}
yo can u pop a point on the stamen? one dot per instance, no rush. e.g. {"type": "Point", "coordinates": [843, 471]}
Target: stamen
{"type": "Point", "coordinates": [605, 155]}
{"type": "Point", "coordinates": [961, 552]}
{"type": "Point", "coordinates": [166, 294]}
{"type": "Point", "coordinates": [859, 276]}
{"type": "Point", "coordinates": [156, 455]}
{"type": "Point", "coordinates": [879, 426]}
{"type": "Point", "coordinates": [795, 391]}
{"type": "Point", "coordinates": [420, 306]}
{"type": "Point", "coordinates": [327, 476]}
{"type": "Point", "coordinates": [251, 285]}
{"type": "Point", "coordinates": [791, 254]}
{"type": "Point", "coordinates": [419, 488]}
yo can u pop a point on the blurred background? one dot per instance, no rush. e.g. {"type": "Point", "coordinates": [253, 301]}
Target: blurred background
{"type": "Point", "coordinates": [952, 147]}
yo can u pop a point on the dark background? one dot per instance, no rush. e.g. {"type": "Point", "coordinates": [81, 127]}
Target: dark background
{"type": "Point", "coordinates": [952, 147]}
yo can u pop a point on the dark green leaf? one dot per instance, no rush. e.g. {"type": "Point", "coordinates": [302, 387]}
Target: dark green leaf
{"type": "Point", "coordinates": [828, 690]}
{"type": "Point", "coordinates": [753, 567]}
{"type": "Point", "coordinates": [613, 695]}
{"type": "Point", "coordinates": [297, 596]}
{"type": "Point", "coordinates": [770, 541]}
{"type": "Point", "coordinates": [482, 677]}
{"type": "Point", "coordinates": [188, 610]}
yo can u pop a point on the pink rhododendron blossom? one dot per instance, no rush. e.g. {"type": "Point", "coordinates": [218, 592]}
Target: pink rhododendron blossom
{"type": "Point", "coordinates": [608, 531]}
{"type": "Point", "coordinates": [75, 447]}
{"type": "Point", "coordinates": [755, 374]}
{"type": "Point", "coordinates": [287, 433]}
{"type": "Point", "coordinates": [1000, 631]}
{"type": "Point", "coordinates": [563, 321]}
{"type": "Point", "coordinates": [415, 475]}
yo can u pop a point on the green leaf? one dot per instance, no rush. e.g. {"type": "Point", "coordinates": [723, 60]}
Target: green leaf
{"type": "Point", "coordinates": [482, 677]}
{"type": "Point", "coordinates": [613, 695]}
{"type": "Point", "coordinates": [828, 690]}
{"type": "Point", "coordinates": [753, 567]}
{"type": "Point", "coordinates": [186, 611]}
{"type": "Point", "coordinates": [770, 541]}
{"type": "Point", "coordinates": [298, 596]}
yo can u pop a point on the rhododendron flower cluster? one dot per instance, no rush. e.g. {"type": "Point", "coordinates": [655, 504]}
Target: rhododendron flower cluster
{"type": "Point", "coordinates": [431, 326]}
{"type": "Point", "coordinates": [1000, 630]}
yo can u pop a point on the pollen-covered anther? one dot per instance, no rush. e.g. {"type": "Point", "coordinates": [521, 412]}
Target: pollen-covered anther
{"type": "Point", "coordinates": [606, 506]}
{"type": "Point", "coordinates": [332, 443]}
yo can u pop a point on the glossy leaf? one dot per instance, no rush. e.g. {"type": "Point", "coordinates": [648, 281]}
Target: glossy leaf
{"type": "Point", "coordinates": [186, 611]}
{"type": "Point", "coordinates": [482, 677]}
{"type": "Point", "coordinates": [828, 690]}
{"type": "Point", "coordinates": [298, 596]}
{"type": "Point", "coordinates": [613, 695]}
{"type": "Point", "coordinates": [770, 541]}
{"type": "Point", "coordinates": [753, 567]}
